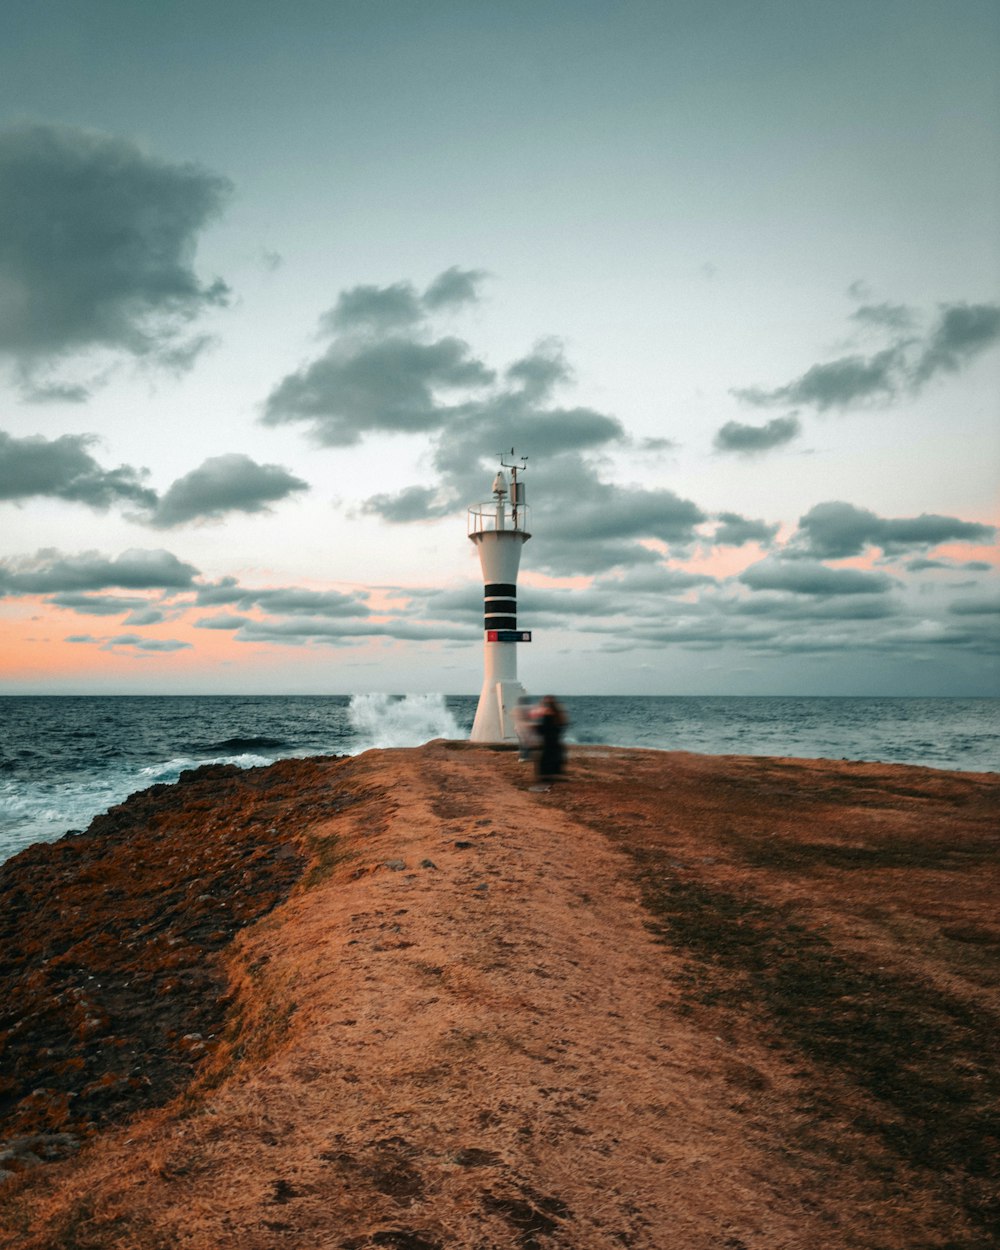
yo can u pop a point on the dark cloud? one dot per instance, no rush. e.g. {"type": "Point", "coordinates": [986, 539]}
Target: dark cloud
{"type": "Point", "coordinates": [387, 381]}
{"type": "Point", "coordinates": [99, 605]}
{"type": "Point", "coordinates": [735, 531]}
{"type": "Point", "coordinates": [222, 621]}
{"type": "Point", "coordinates": [962, 332]}
{"type": "Point", "coordinates": [148, 615]}
{"type": "Point", "coordinates": [835, 530]}
{"type": "Point", "coordinates": [49, 572]}
{"type": "Point", "coordinates": [586, 525]}
{"type": "Point", "coordinates": [921, 564]}
{"type": "Point", "coordinates": [657, 581]}
{"type": "Point", "coordinates": [54, 392]}
{"type": "Point", "coordinates": [388, 386]}
{"type": "Point", "coordinates": [887, 316]}
{"type": "Point", "coordinates": [384, 309]}
{"type": "Point", "coordinates": [842, 608]}
{"type": "Point", "coordinates": [300, 630]}
{"type": "Point", "coordinates": [628, 512]}
{"type": "Point", "coordinates": [295, 599]}
{"type": "Point", "coordinates": [838, 384]}
{"type": "Point", "coordinates": [736, 436]}
{"type": "Point", "coordinates": [657, 444]}
{"type": "Point", "coordinates": [374, 307]}
{"type": "Point", "coordinates": [181, 357]}
{"type": "Point", "coordinates": [567, 557]}
{"type": "Point", "coordinates": [224, 484]}
{"type": "Point", "coordinates": [229, 593]}
{"type": "Point", "coordinates": [808, 577]}
{"type": "Point", "coordinates": [138, 643]}
{"type": "Point", "coordinates": [541, 371]}
{"type": "Point", "coordinates": [415, 503]}
{"type": "Point", "coordinates": [225, 590]}
{"type": "Point", "coordinates": [63, 468]}
{"type": "Point", "coordinates": [453, 288]}
{"type": "Point", "coordinates": [96, 245]}
{"type": "Point", "coordinates": [982, 606]}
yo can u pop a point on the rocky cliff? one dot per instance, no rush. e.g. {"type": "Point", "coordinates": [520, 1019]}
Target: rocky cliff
{"type": "Point", "coordinates": [407, 1000]}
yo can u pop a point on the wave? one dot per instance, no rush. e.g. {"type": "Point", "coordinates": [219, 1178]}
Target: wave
{"type": "Point", "coordinates": [382, 720]}
{"type": "Point", "coordinates": [229, 745]}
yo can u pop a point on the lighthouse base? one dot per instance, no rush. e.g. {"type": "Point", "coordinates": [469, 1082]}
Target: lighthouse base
{"type": "Point", "coordinates": [495, 714]}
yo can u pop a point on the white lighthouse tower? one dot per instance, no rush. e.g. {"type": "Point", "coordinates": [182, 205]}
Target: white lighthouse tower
{"type": "Point", "coordinates": [499, 530]}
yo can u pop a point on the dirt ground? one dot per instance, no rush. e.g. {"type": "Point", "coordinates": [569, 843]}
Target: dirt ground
{"type": "Point", "coordinates": [673, 1001]}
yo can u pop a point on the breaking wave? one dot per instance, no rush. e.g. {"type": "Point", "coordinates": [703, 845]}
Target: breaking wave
{"type": "Point", "coordinates": [382, 720]}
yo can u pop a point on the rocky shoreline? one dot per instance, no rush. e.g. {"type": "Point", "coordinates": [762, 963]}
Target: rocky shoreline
{"type": "Point", "coordinates": [405, 1001]}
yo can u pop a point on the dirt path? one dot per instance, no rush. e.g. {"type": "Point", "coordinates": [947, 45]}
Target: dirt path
{"type": "Point", "coordinates": [461, 1034]}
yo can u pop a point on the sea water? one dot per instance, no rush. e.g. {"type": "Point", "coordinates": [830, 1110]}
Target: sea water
{"type": "Point", "coordinates": [63, 760]}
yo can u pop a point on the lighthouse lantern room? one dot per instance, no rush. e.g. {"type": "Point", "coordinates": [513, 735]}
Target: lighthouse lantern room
{"type": "Point", "coordinates": [500, 529]}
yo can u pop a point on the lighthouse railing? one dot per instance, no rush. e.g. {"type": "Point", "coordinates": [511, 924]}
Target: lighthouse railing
{"type": "Point", "coordinates": [487, 518]}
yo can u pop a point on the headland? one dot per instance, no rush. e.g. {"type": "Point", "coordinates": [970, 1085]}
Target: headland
{"type": "Point", "coordinates": [405, 1000]}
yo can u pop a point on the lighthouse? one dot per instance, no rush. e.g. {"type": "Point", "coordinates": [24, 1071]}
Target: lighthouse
{"type": "Point", "coordinates": [499, 530]}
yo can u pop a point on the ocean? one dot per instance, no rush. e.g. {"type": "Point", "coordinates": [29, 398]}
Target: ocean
{"type": "Point", "coordinates": [64, 760]}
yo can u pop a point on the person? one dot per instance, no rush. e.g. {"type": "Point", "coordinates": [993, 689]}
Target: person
{"type": "Point", "coordinates": [549, 726]}
{"type": "Point", "coordinates": [524, 726]}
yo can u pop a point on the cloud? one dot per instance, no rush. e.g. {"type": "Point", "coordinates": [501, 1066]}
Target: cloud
{"type": "Point", "coordinates": [453, 288]}
{"type": "Point", "coordinates": [884, 316]}
{"type": "Point", "coordinates": [222, 621]}
{"type": "Point", "coordinates": [54, 392]}
{"type": "Point", "coordinates": [835, 530]}
{"type": "Point", "coordinates": [388, 386]}
{"type": "Point", "coordinates": [98, 605]}
{"type": "Point", "coordinates": [97, 240]}
{"type": "Point", "coordinates": [415, 503]}
{"type": "Point", "coordinates": [137, 643]}
{"type": "Point", "coordinates": [844, 608]}
{"type": "Point", "coordinates": [840, 383]}
{"type": "Point", "coordinates": [374, 307]}
{"type": "Point", "coordinates": [224, 484]}
{"type": "Point", "coordinates": [961, 332]}
{"type": "Point", "coordinates": [660, 580]}
{"type": "Point", "coordinates": [982, 606]}
{"type": "Point", "coordinates": [49, 572]}
{"type": "Point", "coordinates": [374, 378]}
{"type": "Point", "coordinates": [541, 371]}
{"type": "Point", "coordinates": [228, 592]}
{"type": "Point", "coordinates": [736, 531]}
{"type": "Point", "coordinates": [736, 436]}
{"type": "Point", "coordinates": [297, 631]}
{"type": "Point", "coordinates": [807, 577]}
{"type": "Point", "coordinates": [63, 468]}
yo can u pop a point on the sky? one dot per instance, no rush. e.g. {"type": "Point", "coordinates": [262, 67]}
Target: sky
{"type": "Point", "coordinates": [278, 283]}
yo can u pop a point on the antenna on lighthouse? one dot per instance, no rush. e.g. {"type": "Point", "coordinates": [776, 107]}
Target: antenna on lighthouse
{"type": "Point", "coordinates": [517, 498]}
{"type": "Point", "coordinates": [499, 539]}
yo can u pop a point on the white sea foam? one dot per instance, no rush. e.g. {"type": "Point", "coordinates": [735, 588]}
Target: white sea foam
{"type": "Point", "coordinates": [382, 720]}
{"type": "Point", "coordinates": [39, 811]}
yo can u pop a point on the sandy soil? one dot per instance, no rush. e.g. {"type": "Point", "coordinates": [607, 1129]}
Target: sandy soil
{"type": "Point", "coordinates": [674, 1001]}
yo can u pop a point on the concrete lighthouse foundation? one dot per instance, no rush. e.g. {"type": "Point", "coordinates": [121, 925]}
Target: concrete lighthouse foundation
{"type": "Point", "coordinates": [499, 530]}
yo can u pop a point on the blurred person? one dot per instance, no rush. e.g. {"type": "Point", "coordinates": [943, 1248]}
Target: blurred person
{"type": "Point", "coordinates": [526, 728]}
{"type": "Point", "coordinates": [550, 722]}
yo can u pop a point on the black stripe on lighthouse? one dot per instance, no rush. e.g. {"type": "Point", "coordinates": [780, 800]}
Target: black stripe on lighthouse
{"type": "Point", "coordinates": [500, 606]}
